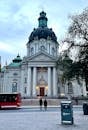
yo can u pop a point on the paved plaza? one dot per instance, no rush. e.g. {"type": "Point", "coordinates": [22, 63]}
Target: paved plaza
{"type": "Point", "coordinates": [40, 120]}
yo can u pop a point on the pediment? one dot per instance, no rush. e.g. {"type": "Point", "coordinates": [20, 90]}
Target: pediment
{"type": "Point", "coordinates": [42, 57]}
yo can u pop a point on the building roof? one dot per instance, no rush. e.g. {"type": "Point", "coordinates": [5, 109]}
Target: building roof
{"type": "Point", "coordinates": [42, 31]}
{"type": "Point", "coordinates": [17, 59]}
{"type": "Point", "coordinates": [16, 62]}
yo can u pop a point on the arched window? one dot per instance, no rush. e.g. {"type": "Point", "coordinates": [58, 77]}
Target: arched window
{"type": "Point", "coordinates": [14, 87]}
{"type": "Point", "coordinates": [42, 48]}
{"type": "Point", "coordinates": [53, 51]}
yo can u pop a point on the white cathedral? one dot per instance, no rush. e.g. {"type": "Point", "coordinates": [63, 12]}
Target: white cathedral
{"type": "Point", "coordinates": [36, 74]}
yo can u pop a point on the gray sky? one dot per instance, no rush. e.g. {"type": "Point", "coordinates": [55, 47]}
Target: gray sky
{"type": "Point", "coordinates": [19, 17]}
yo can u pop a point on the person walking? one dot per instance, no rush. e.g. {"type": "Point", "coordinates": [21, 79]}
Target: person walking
{"type": "Point", "coordinates": [45, 104]}
{"type": "Point", "coordinates": [40, 103]}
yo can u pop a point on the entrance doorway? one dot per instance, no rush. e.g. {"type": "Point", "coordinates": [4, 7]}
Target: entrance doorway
{"type": "Point", "coordinates": [42, 91]}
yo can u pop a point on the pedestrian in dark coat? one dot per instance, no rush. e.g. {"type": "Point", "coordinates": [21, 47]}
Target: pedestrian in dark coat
{"type": "Point", "coordinates": [40, 103]}
{"type": "Point", "coordinates": [45, 104]}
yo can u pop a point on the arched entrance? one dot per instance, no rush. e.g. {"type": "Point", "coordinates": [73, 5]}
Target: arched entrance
{"type": "Point", "coordinates": [42, 85]}
{"type": "Point", "coordinates": [42, 91]}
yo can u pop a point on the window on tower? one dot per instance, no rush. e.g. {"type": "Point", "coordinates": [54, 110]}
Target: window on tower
{"type": "Point", "coordinates": [42, 48]}
{"type": "Point", "coordinates": [53, 51]}
{"type": "Point", "coordinates": [32, 51]}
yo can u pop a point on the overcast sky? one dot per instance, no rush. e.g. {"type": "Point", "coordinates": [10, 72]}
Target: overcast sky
{"type": "Point", "coordinates": [19, 17]}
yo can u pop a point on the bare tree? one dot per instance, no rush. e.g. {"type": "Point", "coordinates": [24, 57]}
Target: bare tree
{"type": "Point", "coordinates": [78, 37]}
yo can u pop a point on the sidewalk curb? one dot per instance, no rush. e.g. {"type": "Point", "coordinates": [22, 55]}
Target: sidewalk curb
{"type": "Point", "coordinates": [27, 106]}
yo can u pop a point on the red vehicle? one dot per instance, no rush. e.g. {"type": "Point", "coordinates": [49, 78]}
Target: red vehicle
{"type": "Point", "coordinates": [10, 100]}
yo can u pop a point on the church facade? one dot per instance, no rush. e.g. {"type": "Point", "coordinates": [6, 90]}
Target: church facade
{"type": "Point", "coordinates": [36, 74]}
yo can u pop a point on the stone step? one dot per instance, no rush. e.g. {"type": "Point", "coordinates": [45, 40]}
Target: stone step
{"type": "Point", "coordinates": [35, 102]}
{"type": "Point", "coordinates": [51, 102]}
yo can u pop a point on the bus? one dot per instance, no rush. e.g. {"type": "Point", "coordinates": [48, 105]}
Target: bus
{"type": "Point", "coordinates": [10, 100]}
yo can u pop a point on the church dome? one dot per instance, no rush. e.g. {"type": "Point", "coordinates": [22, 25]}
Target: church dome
{"type": "Point", "coordinates": [42, 31]}
{"type": "Point", "coordinates": [17, 59]}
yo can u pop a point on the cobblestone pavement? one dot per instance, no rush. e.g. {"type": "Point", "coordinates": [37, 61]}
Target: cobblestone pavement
{"type": "Point", "coordinates": [40, 120]}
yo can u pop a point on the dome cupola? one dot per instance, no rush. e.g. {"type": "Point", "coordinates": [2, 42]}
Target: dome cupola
{"type": "Point", "coordinates": [42, 19]}
{"type": "Point", "coordinates": [17, 59]}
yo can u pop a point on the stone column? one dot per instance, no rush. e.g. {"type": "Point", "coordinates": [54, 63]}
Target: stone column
{"type": "Point", "coordinates": [34, 82]}
{"type": "Point", "coordinates": [54, 82]}
{"type": "Point", "coordinates": [29, 82]}
{"type": "Point", "coordinates": [49, 81]}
